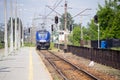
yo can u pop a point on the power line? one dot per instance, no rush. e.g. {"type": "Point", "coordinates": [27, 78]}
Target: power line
{"type": "Point", "coordinates": [54, 7]}
{"type": "Point", "coordinates": [81, 12]}
{"type": "Point", "coordinates": [53, 10]}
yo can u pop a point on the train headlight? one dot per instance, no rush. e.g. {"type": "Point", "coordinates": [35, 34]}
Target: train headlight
{"type": "Point", "coordinates": [42, 40]}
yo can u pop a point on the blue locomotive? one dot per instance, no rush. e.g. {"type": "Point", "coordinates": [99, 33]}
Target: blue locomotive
{"type": "Point", "coordinates": [42, 39]}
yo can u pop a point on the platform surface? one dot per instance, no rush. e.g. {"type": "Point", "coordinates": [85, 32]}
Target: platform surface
{"type": "Point", "coordinates": [24, 64]}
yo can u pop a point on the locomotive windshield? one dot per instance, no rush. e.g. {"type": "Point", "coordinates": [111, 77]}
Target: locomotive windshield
{"type": "Point", "coordinates": [42, 34]}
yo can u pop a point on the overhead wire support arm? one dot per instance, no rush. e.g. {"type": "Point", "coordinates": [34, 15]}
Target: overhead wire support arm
{"type": "Point", "coordinates": [81, 12]}
{"type": "Point", "coordinates": [54, 7]}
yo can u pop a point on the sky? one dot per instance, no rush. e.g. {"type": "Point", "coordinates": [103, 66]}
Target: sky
{"type": "Point", "coordinates": [34, 9]}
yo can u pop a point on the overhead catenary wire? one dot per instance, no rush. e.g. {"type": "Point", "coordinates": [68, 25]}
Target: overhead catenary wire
{"type": "Point", "coordinates": [54, 10]}
{"type": "Point", "coordinates": [81, 12]}
{"type": "Point", "coordinates": [55, 6]}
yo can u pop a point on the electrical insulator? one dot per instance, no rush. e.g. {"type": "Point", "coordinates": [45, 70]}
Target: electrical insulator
{"type": "Point", "coordinates": [56, 19]}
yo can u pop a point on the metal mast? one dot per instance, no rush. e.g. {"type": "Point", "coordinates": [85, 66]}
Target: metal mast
{"type": "Point", "coordinates": [19, 31]}
{"type": "Point", "coordinates": [65, 26]}
{"type": "Point", "coordinates": [11, 34]}
{"type": "Point", "coordinates": [16, 25]}
{"type": "Point", "coordinates": [5, 32]}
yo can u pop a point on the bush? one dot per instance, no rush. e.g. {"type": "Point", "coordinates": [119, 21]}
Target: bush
{"type": "Point", "coordinates": [51, 45]}
{"type": "Point", "coordinates": [1, 45]}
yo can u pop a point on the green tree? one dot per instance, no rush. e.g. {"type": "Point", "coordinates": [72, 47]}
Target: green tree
{"type": "Point", "coordinates": [74, 38]}
{"type": "Point", "coordinates": [70, 21]}
{"type": "Point", "coordinates": [92, 30]}
{"type": "Point", "coordinates": [86, 33]}
{"type": "Point", "coordinates": [109, 17]}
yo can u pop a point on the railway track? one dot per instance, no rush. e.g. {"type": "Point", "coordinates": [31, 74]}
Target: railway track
{"type": "Point", "coordinates": [66, 69]}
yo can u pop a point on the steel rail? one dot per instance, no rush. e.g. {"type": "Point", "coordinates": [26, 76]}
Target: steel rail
{"type": "Point", "coordinates": [78, 68]}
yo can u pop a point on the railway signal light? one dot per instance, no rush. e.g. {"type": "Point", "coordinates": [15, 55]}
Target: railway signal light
{"type": "Point", "coordinates": [70, 28]}
{"type": "Point", "coordinates": [52, 27]}
{"type": "Point", "coordinates": [29, 30]}
{"type": "Point", "coordinates": [96, 19]}
{"type": "Point", "coordinates": [56, 19]}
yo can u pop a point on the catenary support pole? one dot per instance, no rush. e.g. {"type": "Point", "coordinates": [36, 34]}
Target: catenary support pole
{"type": "Point", "coordinates": [65, 26]}
{"type": "Point", "coordinates": [11, 34]}
{"type": "Point", "coordinates": [5, 30]}
{"type": "Point", "coordinates": [16, 25]}
{"type": "Point", "coordinates": [98, 35]}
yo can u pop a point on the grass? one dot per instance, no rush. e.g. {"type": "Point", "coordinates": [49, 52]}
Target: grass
{"type": "Point", "coordinates": [29, 44]}
{"type": "Point", "coordinates": [116, 48]}
{"type": "Point", "coordinates": [51, 45]}
{"type": "Point", "coordinates": [1, 46]}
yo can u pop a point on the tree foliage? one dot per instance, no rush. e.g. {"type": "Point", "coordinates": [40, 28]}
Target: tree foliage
{"type": "Point", "coordinates": [69, 21]}
{"type": "Point", "coordinates": [109, 17]}
{"type": "Point", "coordinates": [76, 36]}
{"type": "Point", "coordinates": [109, 23]}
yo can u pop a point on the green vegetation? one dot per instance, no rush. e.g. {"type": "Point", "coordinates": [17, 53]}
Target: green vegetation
{"type": "Point", "coordinates": [29, 44]}
{"type": "Point", "coordinates": [51, 45]}
{"type": "Point", "coordinates": [108, 20]}
{"type": "Point", "coordinates": [75, 37]}
{"type": "Point", "coordinates": [116, 48]}
{"type": "Point", "coordinates": [69, 21]}
{"type": "Point", "coordinates": [1, 46]}
{"type": "Point", "coordinates": [109, 17]}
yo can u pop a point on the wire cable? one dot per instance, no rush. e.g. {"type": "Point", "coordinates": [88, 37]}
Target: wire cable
{"type": "Point", "coordinates": [55, 6]}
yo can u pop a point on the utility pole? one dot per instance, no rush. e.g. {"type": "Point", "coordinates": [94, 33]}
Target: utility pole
{"type": "Point", "coordinates": [22, 31]}
{"type": "Point", "coordinates": [16, 25]}
{"type": "Point", "coordinates": [33, 29]}
{"type": "Point", "coordinates": [81, 41]}
{"type": "Point", "coordinates": [19, 29]}
{"type": "Point", "coordinates": [58, 37]}
{"type": "Point", "coordinates": [81, 29]}
{"type": "Point", "coordinates": [65, 26]}
{"type": "Point", "coordinates": [19, 32]}
{"type": "Point", "coordinates": [11, 35]}
{"type": "Point", "coordinates": [22, 36]}
{"type": "Point", "coordinates": [5, 31]}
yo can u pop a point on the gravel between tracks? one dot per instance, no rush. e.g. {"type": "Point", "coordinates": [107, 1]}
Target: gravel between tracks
{"type": "Point", "coordinates": [104, 72]}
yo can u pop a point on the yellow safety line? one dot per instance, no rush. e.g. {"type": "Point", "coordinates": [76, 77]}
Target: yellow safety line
{"type": "Point", "coordinates": [30, 66]}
